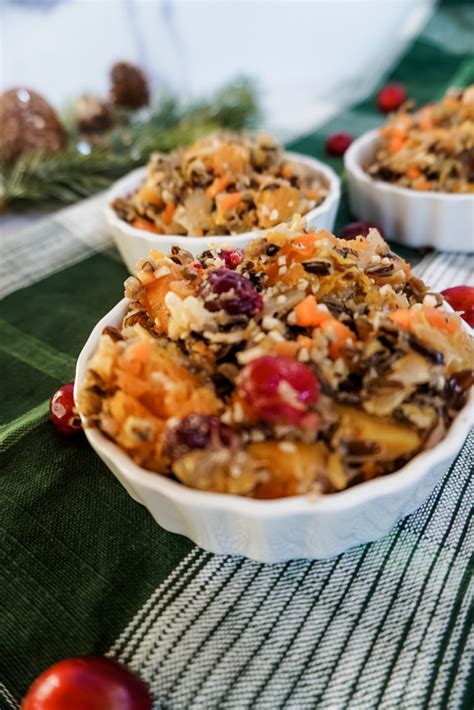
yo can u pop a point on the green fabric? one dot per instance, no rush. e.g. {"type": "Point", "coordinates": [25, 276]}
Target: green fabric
{"type": "Point", "coordinates": [78, 557]}
{"type": "Point", "coordinates": [68, 529]}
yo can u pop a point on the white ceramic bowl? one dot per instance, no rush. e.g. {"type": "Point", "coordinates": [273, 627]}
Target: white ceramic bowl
{"type": "Point", "coordinates": [418, 219]}
{"type": "Point", "coordinates": [134, 244]}
{"type": "Point", "coordinates": [276, 530]}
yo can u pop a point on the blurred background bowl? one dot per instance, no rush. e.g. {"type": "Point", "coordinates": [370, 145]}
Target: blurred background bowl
{"type": "Point", "coordinates": [133, 244]}
{"type": "Point", "coordinates": [440, 220]}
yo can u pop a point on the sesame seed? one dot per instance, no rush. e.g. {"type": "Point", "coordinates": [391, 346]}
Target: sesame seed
{"type": "Point", "coordinates": [248, 355]}
{"type": "Point", "coordinates": [276, 336]}
{"type": "Point", "coordinates": [281, 260]}
{"type": "Point", "coordinates": [238, 412]}
{"type": "Point", "coordinates": [287, 447]}
{"type": "Point", "coordinates": [429, 301]}
{"type": "Point", "coordinates": [227, 417]}
{"type": "Point", "coordinates": [282, 270]}
{"type": "Point", "coordinates": [274, 214]}
{"type": "Point", "coordinates": [281, 298]}
{"type": "Point", "coordinates": [270, 323]}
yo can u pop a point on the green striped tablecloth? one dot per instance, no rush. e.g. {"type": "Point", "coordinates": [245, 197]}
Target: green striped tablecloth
{"type": "Point", "coordinates": [85, 570]}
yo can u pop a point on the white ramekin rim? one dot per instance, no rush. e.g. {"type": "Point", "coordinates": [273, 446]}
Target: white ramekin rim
{"type": "Point", "coordinates": [384, 486]}
{"type": "Point", "coordinates": [132, 180]}
{"type": "Point", "coordinates": [354, 167]}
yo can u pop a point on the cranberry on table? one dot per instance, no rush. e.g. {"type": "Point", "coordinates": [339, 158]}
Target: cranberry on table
{"type": "Point", "coordinates": [230, 291]}
{"type": "Point", "coordinates": [338, 143]}
{"type": "Point", "coordinates": [231, 257]}
{"type": "Point", "coordinates": [468, 316]}
{"type": "Point", "coordinates": [461, 298]}
{"type": "Point", "coordinates": [198, 431]}
{"type": "Point", "coordinates": [63, 412]}
{"type": "Point", "coordinates": [279, 389]}
{"type": "Point", "coordinates": [391, 97]}
{"type": "Point", "coordinates": [356, 229]}
{"type": "Point", "coordinates": [87, 684]}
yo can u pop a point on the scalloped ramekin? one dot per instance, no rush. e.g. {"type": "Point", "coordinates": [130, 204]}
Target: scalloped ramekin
{"type": "Point", "coordinates": [284, 529]}
{"type": "Point", "coordinates": [133, 244]}
{"type": "Point", "coordinates": [444, 221]}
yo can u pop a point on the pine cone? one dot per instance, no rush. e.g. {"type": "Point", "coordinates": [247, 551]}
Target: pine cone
{"type": "Point", "coordinates": [28, 123]}
{"type": "Point", "coordinates": [92, 115]}
{"type": "Point", "coordinates": [129, 86]}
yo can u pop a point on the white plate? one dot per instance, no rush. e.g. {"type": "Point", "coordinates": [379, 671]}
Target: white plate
{"type": "Point", "coordinates": [284, 529]}
{"type": "Point", "coordinates": [134, 243]}
{"type": "Point", "coordinates": [440, 220]}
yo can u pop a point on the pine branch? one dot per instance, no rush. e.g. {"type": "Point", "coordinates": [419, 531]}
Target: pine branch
{"type": "Point", "coordinates": [59, 177]}
{"type": "Point", "coordinates": [70, 174]}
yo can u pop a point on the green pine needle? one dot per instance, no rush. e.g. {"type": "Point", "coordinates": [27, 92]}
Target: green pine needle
{"type": "Point", "coordinates": [70, 175]}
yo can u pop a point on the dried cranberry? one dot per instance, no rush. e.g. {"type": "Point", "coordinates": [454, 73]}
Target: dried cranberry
{"type": "Point", "coordinates": [231, 258]}
{"type": "Point", "coordinates": [391, 97]}
{"type": "Point", "coordinates": [338, 143]}
{"type": "Point", "coordinates": [461, 298]}
{"type": "Point", "coordinates": [279, 389]}
{"type": "Point", "coordinates": [356, 229]}
{"type": "Point", "coordinates": [198, 431]}
{"type": "Point", "coordinates": [63, 412]}
{"type": "Point", "coordinates": [232, 292]}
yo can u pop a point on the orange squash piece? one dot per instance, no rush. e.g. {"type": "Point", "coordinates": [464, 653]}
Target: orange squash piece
{"type": "Point", "coordinates": [309, 315]}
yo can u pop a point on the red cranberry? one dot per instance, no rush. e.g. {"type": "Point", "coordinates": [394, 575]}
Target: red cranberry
{"type": "Point", "coordinates": [461, 298]}
{"type": "Point", "coordinates": [198, 431]}
{"type": "Point", "coordinates": [231, 258]}
{"type": "Point", "coordinates": [338, 143]}
{"type": "Point", "coordinates": [232, 292]}
{"type": "Point", "coordinates": [279, 389]}
{"type": "Point", "coordinates": [87, 684]}
{"type": "Point", "coordinates": [468, 316]}
{"type": "Point", "coordinates": [355, 229]}
{"type": "Point", "coordinates": [63, 412]}
{"type": "Point", "coordinates": [391, 97]}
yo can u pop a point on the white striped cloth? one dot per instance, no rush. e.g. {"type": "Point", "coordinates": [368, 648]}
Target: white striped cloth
{"type": "Point", "coordinates": [382, 626]}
